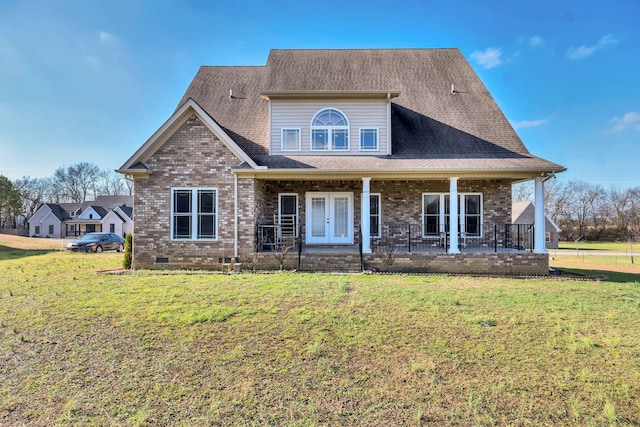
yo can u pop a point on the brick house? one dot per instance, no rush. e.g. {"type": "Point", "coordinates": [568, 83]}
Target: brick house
{"type": "Point", "coordinates": [354, 156]}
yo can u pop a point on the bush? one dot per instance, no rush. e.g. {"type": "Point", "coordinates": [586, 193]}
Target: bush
{"type": "Point", "coordinates": [128, 243]}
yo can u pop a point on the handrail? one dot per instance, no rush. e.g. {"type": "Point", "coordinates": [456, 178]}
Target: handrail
{"type": "Point", "coordinates": [410, 237]}
{"type": "Point", "coordinates": [360, 248]}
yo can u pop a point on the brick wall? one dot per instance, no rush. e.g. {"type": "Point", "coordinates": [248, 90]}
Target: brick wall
{"type": "Point", "coordinates": [194, 157]}
{"type": "Point", "coordinates": [191, 157]}
{"type": "Point", "coordinates": [401, 200]}
{"type": "Point", "coordinates": [516, 263]}
{"type": "Point", "coordinates": [511, 263]}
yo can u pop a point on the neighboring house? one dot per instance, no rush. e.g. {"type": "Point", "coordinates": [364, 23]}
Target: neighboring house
{"type": "Point", "coordinates": [105, 213]}
{"type": "Point", "coordinates": [523, 213]}
{"type": "Point", "coordinates": [362, 156]}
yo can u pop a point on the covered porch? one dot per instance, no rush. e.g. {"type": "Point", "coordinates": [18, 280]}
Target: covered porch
{"type": "Point", "coordinates": [396, 225]}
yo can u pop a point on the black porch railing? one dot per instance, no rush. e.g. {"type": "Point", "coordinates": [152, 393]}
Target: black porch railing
{"type": "Point", "coordinates": [484, 238]}
{"type": "Point", "coordinates": [277, 235]}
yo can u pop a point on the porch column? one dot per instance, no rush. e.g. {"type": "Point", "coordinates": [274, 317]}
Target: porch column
{"type": "Point", "coordinates": [453, 216]}
{"type": "Point", "coordinates": [365, 216]}
{"type": "Point", "coordinates": [539, 246]}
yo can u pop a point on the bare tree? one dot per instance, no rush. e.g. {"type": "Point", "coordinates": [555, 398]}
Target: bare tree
{"type": "Point", "coordinates": [556, 196]}
{"type": "Point", "coordinates": [110, 183]}
{"type": "Point", "coordinates": [79, 181]}
{"type": "Point", "coordinates": [627, 205]}
{"type": "Point", "coordinates": [522, 192]}
{"type": "Point", "coordinates": [55, 191]}
{"type": "Point", "coordinates": [33, 192]}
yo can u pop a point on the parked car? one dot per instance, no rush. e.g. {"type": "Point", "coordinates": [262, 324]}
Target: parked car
{"type": "Point", "coordinates": [97, 242]}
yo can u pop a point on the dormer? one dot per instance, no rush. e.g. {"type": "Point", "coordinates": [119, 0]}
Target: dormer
{"type": "Point", "coordinates": [92, 212]}
{"type": "Point", "coordinates": [330, 123]}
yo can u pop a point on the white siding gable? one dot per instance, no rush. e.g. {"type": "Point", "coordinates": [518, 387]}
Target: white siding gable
{"type": "Point", "coordinates": [298, 114]}
{"type": "Point", "coordinates": [37, 219]}
{"type": "Point", "coordinates": [112, 219]}
{"type": "Point", "coordinates": [89, 213]}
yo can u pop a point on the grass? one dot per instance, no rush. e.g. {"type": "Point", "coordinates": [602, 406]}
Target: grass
{"type": "Point", "coordinates": [78, 348]}
{"type": "Point", "coordinates": [616, 268]}
{"type": "Point", "coordinates": [622, 247]}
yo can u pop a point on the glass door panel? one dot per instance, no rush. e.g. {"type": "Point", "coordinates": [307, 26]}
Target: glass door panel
{"type": "Point", "coordinates": [318, 217]}
{"type": "Point", "coordinates": [340, 217]}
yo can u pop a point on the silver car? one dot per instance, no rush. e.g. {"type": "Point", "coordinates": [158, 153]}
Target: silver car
{"type": "Point", "coordinates": [97, 242]}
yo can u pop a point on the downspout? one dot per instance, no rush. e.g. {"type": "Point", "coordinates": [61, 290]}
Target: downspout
{"type": "Point", "coordinates": [235, 215]}
{"type": "Point", "coordinates": [389, 124]}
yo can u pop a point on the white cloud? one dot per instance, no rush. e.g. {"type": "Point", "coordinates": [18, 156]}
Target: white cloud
{"type": "Point", "coordinates": [536, 41]}
{"type": "Point", "coordinates": [490, 58]}
{"type": "Point", "coordinates": [629, 120]}
{"type": "Point", "coordinates": [529, 123]}
{"type": "Point", "coordinates": [106, 37]}
{"type": "Point", "coordinates": [581, 52]}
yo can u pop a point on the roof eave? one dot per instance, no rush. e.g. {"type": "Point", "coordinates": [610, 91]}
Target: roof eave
{"type": "Point", "coordinates": [503, 173]}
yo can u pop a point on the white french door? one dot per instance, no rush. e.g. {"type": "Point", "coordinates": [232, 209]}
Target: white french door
{"type": "Point", "coordinates": [329, 218]}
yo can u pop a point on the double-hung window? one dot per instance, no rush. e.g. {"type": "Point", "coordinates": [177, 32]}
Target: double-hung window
{"type": "Point", "coordinates": [436, 214]}
{"type": "Point", "coordinates": [329, 131]}
{"type": "Point", "coordinates": [194, 214]}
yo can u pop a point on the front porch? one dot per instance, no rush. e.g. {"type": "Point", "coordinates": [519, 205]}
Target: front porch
{"type": "Point", "coordinates": [496, 249]}
{"type": "Point", "coordinates": [393, 225]}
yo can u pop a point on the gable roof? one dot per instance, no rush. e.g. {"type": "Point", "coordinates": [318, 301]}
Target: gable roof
{"type": "Point", "coordinates": [58, 211]}
{"type": "Point", "coordinates": [101, 205]}
{"type": "Point", "coordinates": [127, 210]}
{"type": "Point", "coordinates": [434, 127]}
{"type": "Point", "coordinates": [524, 213]}
{"type": "Point", "coordinates": [135, 165]}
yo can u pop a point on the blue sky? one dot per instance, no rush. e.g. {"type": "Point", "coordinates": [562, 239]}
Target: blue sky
{"type": "Point", "coordinates": [84, 80]}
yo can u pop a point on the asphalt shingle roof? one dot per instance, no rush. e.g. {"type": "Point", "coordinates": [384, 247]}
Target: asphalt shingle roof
{"type": "Point", "coordinates": [431, 126]}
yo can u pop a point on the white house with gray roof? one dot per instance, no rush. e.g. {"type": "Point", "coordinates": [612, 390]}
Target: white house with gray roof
{"type": "Point", "coordinates": [344, 154]}
{"type": "Point", "coordinates": [106, 213]}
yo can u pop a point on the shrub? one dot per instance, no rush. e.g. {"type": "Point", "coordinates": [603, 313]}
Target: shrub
{"type": "Point", "coordinates": [128, 243]}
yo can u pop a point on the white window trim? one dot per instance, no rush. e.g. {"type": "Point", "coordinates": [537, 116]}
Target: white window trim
{"type": "Point", "coordinates": [377, 139]}
{"type": "Point", "coordinates": [282, 147]}
{"type": "Point", "coordinates": [379, 195]}
{"type": "Point", "coordinates": [194, 214]}
{"type": "Point", "coordinates": [330, 133]}
{"type": "Point", "coordinates": [297, 207]}
{"type": "Point", "coordinates": [442, 214]}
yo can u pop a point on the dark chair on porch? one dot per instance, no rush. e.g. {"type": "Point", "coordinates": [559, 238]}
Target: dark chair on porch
{"type": "Point", "coordinates": [286, 232]}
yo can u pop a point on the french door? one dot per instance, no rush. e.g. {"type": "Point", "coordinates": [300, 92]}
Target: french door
{"type": "Point", "coordinates": [329, 218]}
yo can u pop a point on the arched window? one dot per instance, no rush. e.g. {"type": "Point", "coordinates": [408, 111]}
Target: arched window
{"type": "Point", "coordinates": [330, 130]}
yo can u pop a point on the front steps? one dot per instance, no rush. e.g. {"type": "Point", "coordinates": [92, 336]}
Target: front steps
{"type": "Point", "coordinates": [343, 259]}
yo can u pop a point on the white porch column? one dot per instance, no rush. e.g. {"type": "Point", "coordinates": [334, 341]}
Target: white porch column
{"type": "Point", "coordinates": [539, 246]}
{"type": "Point", "coordinates": [365, 216]}
{"type": "Point", "coordinates": [453, 216]}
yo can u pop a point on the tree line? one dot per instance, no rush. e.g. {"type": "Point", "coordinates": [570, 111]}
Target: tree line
{"type": "Point", "coordinates": [585, 211]}
{"type": "Point", "coordinates": [77, 183]}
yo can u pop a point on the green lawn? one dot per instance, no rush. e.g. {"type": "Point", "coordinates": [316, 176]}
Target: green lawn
{"type": "Point", "coordinates": [82, 348]}
{"type": "Point", "coordinates": [600, 246]}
